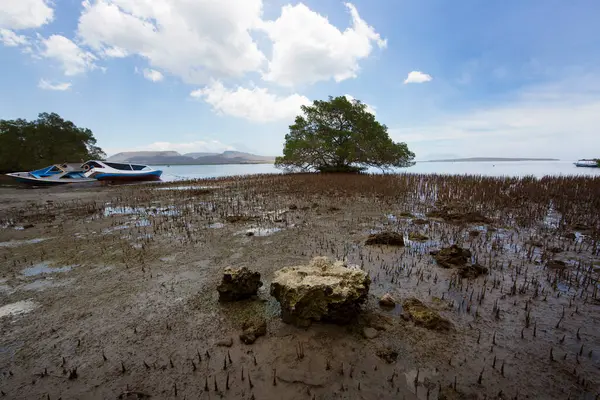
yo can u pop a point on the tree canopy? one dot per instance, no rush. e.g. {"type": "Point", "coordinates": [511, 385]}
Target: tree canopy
{"type": "Point", "coordinates": [340, 135]}
{"type": "Point", "coordinates": [27, 145]}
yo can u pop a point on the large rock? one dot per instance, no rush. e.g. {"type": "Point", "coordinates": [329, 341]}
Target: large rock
{"type": "Point", "coordinates": [323, 290]}
{"type": "Point", "coordinates": [452, 256]}
{"type": "Point", "coordinates": [238, 284]}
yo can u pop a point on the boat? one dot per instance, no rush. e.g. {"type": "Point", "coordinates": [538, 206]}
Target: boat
{"type": "Point", "coordinates": [588, 163]}
{"type": "Point", "coordinates": [59, 174]}
{"type": "Point", "coordinates": [115, 172]}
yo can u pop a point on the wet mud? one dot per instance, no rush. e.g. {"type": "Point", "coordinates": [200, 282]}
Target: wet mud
{"type": "Point", "coordinates": [119, 299]}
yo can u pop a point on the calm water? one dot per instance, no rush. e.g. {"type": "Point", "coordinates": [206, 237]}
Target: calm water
{"type": "Point", "coordinates": [511, 168]}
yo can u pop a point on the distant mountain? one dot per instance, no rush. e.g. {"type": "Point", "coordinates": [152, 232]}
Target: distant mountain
{"type": "Point", "coordinates": [196, 155]}
{"type": "Point", "coordinates": [496, 159]}
{"type": "Point", "coordinates": [126, 156]}
{"type": "Point", "coordinates": [174, 158]}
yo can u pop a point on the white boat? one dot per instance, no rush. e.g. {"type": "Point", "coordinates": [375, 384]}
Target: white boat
{"type": "Point", "coordinates": [59, 174]}
{"type": "Point", "coordinates": [588, 163]}
{"type": "Point", "coordinates": [110, 171]}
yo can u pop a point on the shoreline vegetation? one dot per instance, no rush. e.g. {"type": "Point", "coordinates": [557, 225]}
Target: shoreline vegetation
{"type": "Point", "coordinates": [111, 292]}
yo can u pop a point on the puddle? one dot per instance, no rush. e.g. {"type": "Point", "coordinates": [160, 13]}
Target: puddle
{"type": "Point", "coordinates": [4, 288]}
{"type": "Point", "coordinates": [42, 284]}
{"type": "Point", "coordinates": [44, 268]}
{"type": "Point", "coordinates": [114, 229]}
{"type": "Point", "coordinates": [143, 222]}
{"type": "Point", "coordinates": [422, 382]}
{"type": "Point", "coordinates": [392, 218]}
{"type": "Point", "coordinates": [260, 231]}
{"type": "Point", "coordinates": [188, 188]}
{"type": "Point", "coordinates": [20, 307]}
{"type": "Point", "coordinates": [169, 211]}
{"type": "Point", "coordinates": [216, 225]}
{"type": "Point", "coordinates": [16, 243]}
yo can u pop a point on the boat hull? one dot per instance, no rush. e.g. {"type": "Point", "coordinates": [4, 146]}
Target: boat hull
{"type": "Point", "coordinates": [30, 180]}
{"type": "Point", "coordinates": [127, 177]}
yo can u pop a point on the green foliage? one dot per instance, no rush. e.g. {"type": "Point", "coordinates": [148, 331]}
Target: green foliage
{"type": "Point", "coordinates": [598, 162]}
{"type": "Point", "coordinates": [340, 136]}
{"type": "Point", "coordinates": [27, 145]}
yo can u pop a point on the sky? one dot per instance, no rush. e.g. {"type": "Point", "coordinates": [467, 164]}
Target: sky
{"type": "Point", "coordinates": [461, 78]}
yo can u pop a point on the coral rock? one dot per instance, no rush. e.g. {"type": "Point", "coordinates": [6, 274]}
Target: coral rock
{"type": "Point", "coordinates": [425, 316]}
{"type": "Point", "coordinates": [387, 301]}
{"type": "Point", "coordinates": [452, 256]}
{"type": "Point", "coordinates": [238, 284]}
{"type": "Point", "coordinates": [253, 330]}
{"type": "Point", "coordinates": [323, 290]}
{"type": "Point", "coordinates": [387, 238]}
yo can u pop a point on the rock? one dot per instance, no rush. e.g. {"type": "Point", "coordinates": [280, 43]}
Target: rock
{"type": "Point", "coordinates": [417, 237]}
{"type": "Point", "coordinates": [555, 250]}
{"type": "Point", "coordinates": [249, 233]}
{"type": "Point", "coordinates": [388, 355]}
{"type": "Point", "coordinates": [293, 207]}
{"type": "Point", "coordinates": [238, 284]}
{"type": "Point", "coordinates": [570, 236]}
{"type": "Point", "coordinates": [425, 316]}
{"type": "Point", "coordinates": [28, 226]}
{"type": "Point", "coordinates": [451, 215]}
{"type": "Point", "coordinates": [387, 301]}
{"type": "Point", "coordinates": [474, 233]}
{"type": "Point", "coordinates": [225, 342]}
{"type": "Point", "coordinates": [535, 243]}
{"type": "Point", "coordinates": [253, 330]}
{"type": "Point", "coordinates": [239, 218]}
{"type": "Point", "coordinates": [556, 264]}
{"type": "Point", "coordinates": [323, 290]}
{"type": "Point", "coordinates": [370, 333]}
{"type": "Point", "coordinates": [387, 238]}
{"type": "Point", "coordinates": [452, 256]}
{"type": "Point", "coordinates": [472, 271]}
{"type": "Point", "coordinates": [420, 221]}
{"type": "Point", "coordinates": [406, 214]}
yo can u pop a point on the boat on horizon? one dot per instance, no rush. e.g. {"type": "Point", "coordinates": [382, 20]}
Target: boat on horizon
{"type": "Point", "coordinates": [588, 163]}
{"type": "Point", "coordinates": [58, 174]}
{"type": "Point", "coordinates": [119, 172]}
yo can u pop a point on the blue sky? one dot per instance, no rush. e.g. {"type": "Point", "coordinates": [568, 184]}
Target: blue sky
{"type": "Point", "coordinates": [450, 78]}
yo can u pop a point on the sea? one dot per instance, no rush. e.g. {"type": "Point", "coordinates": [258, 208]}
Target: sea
{"type": "Point", "coordinates": [537, 169]}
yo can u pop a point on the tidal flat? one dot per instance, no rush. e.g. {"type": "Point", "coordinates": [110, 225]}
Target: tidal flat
{"type": "Point", "coordinates": [110, 292]}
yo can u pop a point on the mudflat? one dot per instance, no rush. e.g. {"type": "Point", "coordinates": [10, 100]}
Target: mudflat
{"type": "Point", "coordinates": [110, 292]}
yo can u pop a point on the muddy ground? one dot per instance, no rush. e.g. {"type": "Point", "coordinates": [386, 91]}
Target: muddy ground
{"type": "Point", "coordinates": [110, 292]}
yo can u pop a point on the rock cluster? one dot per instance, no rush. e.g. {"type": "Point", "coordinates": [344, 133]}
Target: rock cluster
{"type": "Point", "coordinates": [238, 284]}
{"type": "Point", "coordinates": [452, 256]}
{"type": "Point", "coordinates": [459, 258]}
{"type": "Point", "coordinates": [386, 238]}
{"type": "Point", "coordinates": [323, 290]}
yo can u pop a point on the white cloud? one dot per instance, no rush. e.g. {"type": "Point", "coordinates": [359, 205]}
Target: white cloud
{"type": "Point", "coordinates": [551, 120]}
{"type": "Point", "coordinates": [370, 108]}
{"type": "Point", "coordinates": [194, 40]}
{"type": "Point", "coordinates": [153, 75]}
{"type": "Point", "coordinates": [417, 77]}
{"type": "Point", "coordinates": [11, 39]}
{"type": "Point", "coordinates": [308, 49]}
{"type": "Point", "coordinates": [44, 84]}
{"type": "Point", "coordinates": [255, 104]}
{"type": "Point", "coordinates": [25, 14]}
{"type": "Point", "coordinates": [73, 59]}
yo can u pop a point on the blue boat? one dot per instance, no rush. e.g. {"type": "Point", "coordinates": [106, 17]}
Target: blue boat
{"type": "Point", "coordinates": [115, 172]}
{"type": "Point", "coordinates": [59, 174]}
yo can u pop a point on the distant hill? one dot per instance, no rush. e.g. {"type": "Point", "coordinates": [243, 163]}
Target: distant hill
{"type": "Point", "coordinates": [174, 158]}
{"type": "Point", "coordinates": [495, 159]}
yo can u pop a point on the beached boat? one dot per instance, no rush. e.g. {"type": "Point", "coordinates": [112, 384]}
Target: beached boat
{"type": "Point", "coordinates": [110, 171]}
{"type": "Point", "coordinates": [588, 163]}
{"type": "Point", "coordinates": [59, 174]}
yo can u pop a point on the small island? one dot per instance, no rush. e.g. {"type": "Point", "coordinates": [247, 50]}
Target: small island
{"type": "Point", "coordinates": [495, 159]}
